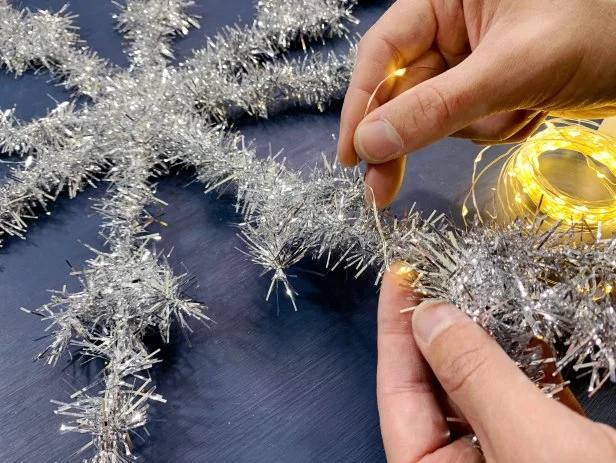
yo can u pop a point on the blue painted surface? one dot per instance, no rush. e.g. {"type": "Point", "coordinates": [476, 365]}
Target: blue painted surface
{"type": "Point", "coordinates": [265, 383]}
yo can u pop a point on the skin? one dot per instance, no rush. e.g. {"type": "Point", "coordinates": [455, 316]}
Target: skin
{"type": "Point", "coordinates": [435, 363]}
{"type": "Point", "coordinates": [487, 70]}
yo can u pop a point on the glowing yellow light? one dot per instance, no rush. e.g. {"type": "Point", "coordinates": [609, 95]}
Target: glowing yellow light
{"type": "Point", "coordinates": [551, 201]}
{"type": "Point", "coordinates": [523, 190]}
{"type": "Point", "coordinates": [397, 73]}
{"type": "Point", "coordinates": [404, 270]}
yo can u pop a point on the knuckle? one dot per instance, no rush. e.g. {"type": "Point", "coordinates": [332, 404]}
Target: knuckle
{"type": "Point", "coordinates": [433, 109]}
{"type": "Point", "coordinates": [504, 132]}
{"type": "Point", "coordinates": [393, 51]}
{"type": "Point", "coordinates": [377, 49]}
{"type": "Point", "coordinates": [459, 369]}
{"type": "Point", "coordinates": [367, 41]}
{"type": "Point", "coordinates": [388, 389]}
{"type": "Point", "coordinates": [394, 327]}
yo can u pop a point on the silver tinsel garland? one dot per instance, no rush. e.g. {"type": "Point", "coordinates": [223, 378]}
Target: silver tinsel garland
{"type": "Point", "coordinates": [129, 289]}
{"type": "Point", "coordinates": [45, 40]}
{"type": "Point", "coordinates": [518, 282]}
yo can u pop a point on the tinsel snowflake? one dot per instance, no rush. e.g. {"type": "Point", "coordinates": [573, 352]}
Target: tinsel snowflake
{"type": "Point", "coordinates": [516, 281]}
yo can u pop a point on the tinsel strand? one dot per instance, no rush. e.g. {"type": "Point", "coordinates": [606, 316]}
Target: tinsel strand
{"type": "Point", "coordinates": [42, 39]}
{"type": "Point", "coordinates": [151, 25]}
{"type": "Point", "coordinates": [126, 293]}
{"type": "Point", "coordinates": [55, 159]}
{"type": "Point", "coordinates": [278, 26]}
{"type": "Point", "coordinates": [515, 281]}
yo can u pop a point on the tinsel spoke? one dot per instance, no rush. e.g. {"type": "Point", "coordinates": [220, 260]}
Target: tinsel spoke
{"type": "Point", "coordinates": [150, 26]}
{"type": "Point", "coordinates": [279, 25]}
{"type": "Point", "coordinates": [269, 87]}
{"type": "Point", "coordinates": [126, 293]}
{"type": "Point", "coordinates": [56, 156]}
{"type": "Point", "coordinates": [42, 39]}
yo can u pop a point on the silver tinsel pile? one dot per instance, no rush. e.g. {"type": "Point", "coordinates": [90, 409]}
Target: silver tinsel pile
{"type": "Point", "coordinates": [518, 282]}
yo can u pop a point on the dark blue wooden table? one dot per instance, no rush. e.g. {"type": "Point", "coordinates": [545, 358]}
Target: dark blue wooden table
{"type": "Point", "coordinates": [265, 383]}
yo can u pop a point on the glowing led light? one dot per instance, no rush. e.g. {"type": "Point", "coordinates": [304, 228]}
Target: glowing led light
{"type": "Point", "coordinates": [397, 73]}
{"type": "Point", "coordinates": [404, 270]}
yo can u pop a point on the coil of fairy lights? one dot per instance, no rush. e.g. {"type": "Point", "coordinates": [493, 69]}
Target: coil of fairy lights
{"type": "Point", "coordinates": [525, 187]}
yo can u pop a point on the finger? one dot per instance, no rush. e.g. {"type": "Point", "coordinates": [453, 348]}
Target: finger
{"type": "Point", "coordinates": [438, 107]}
{"type": "Point", "coordinates": [402, 34]}
{"type": "Point", "coordinates": [521, 135]}
{"type": "Point", "coordinates": [457, 422]}
{"type": "Point", "coordinates": [587, 113]}
{"type": "Point", "coordinates": [459, 451]}
{"type": "Point", "coordinates": [411, 422]}
{"type": "Point", "coordinates": [498, 400]}
{"type": "Point", "coordinates": [498, 127]}
{"type": "Point", "coordinates": [528, 130]}
{"type": "Point", "coordinates": [383, 181]}
{"type": "Point", "coordinates": [452, 39]}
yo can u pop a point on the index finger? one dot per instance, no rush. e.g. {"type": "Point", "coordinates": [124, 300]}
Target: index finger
{"type": "Point", "coordinates": [404, 33]}
{"type": "Point", "coordinates": [412, 424]}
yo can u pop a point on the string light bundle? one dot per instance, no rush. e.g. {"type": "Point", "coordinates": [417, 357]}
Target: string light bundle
{"type": "Point", "coordinates": [143, 120]}
{"type": "Point", "coordinates": [532, 179]}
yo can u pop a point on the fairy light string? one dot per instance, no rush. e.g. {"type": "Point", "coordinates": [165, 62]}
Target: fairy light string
{"type": "Point", "coordinates": [523, 189]}
{"type": "Point", "coordinates": [397, 73]}
{"type": "Point", "coordinates": [400, 72]}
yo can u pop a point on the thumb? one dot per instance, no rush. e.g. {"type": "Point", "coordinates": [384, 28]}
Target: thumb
{"type": "Point", "coordinates": [496, 398]}
{"type": "Point", "coordinates": [437, 107]}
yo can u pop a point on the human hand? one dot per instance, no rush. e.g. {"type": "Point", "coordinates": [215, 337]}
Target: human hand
{"type": "Point", "coordinates": [513, 419]}
{"type": "Point", "coordinates": [488, 70]}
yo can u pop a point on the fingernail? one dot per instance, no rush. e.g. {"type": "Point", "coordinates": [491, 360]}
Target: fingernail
{"type": "Point", "coordinates": [369, 195]}
{"type": "Point", "coordinates": [376, 141]}
{"type": "Point", "coordinates": [432, 317]}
